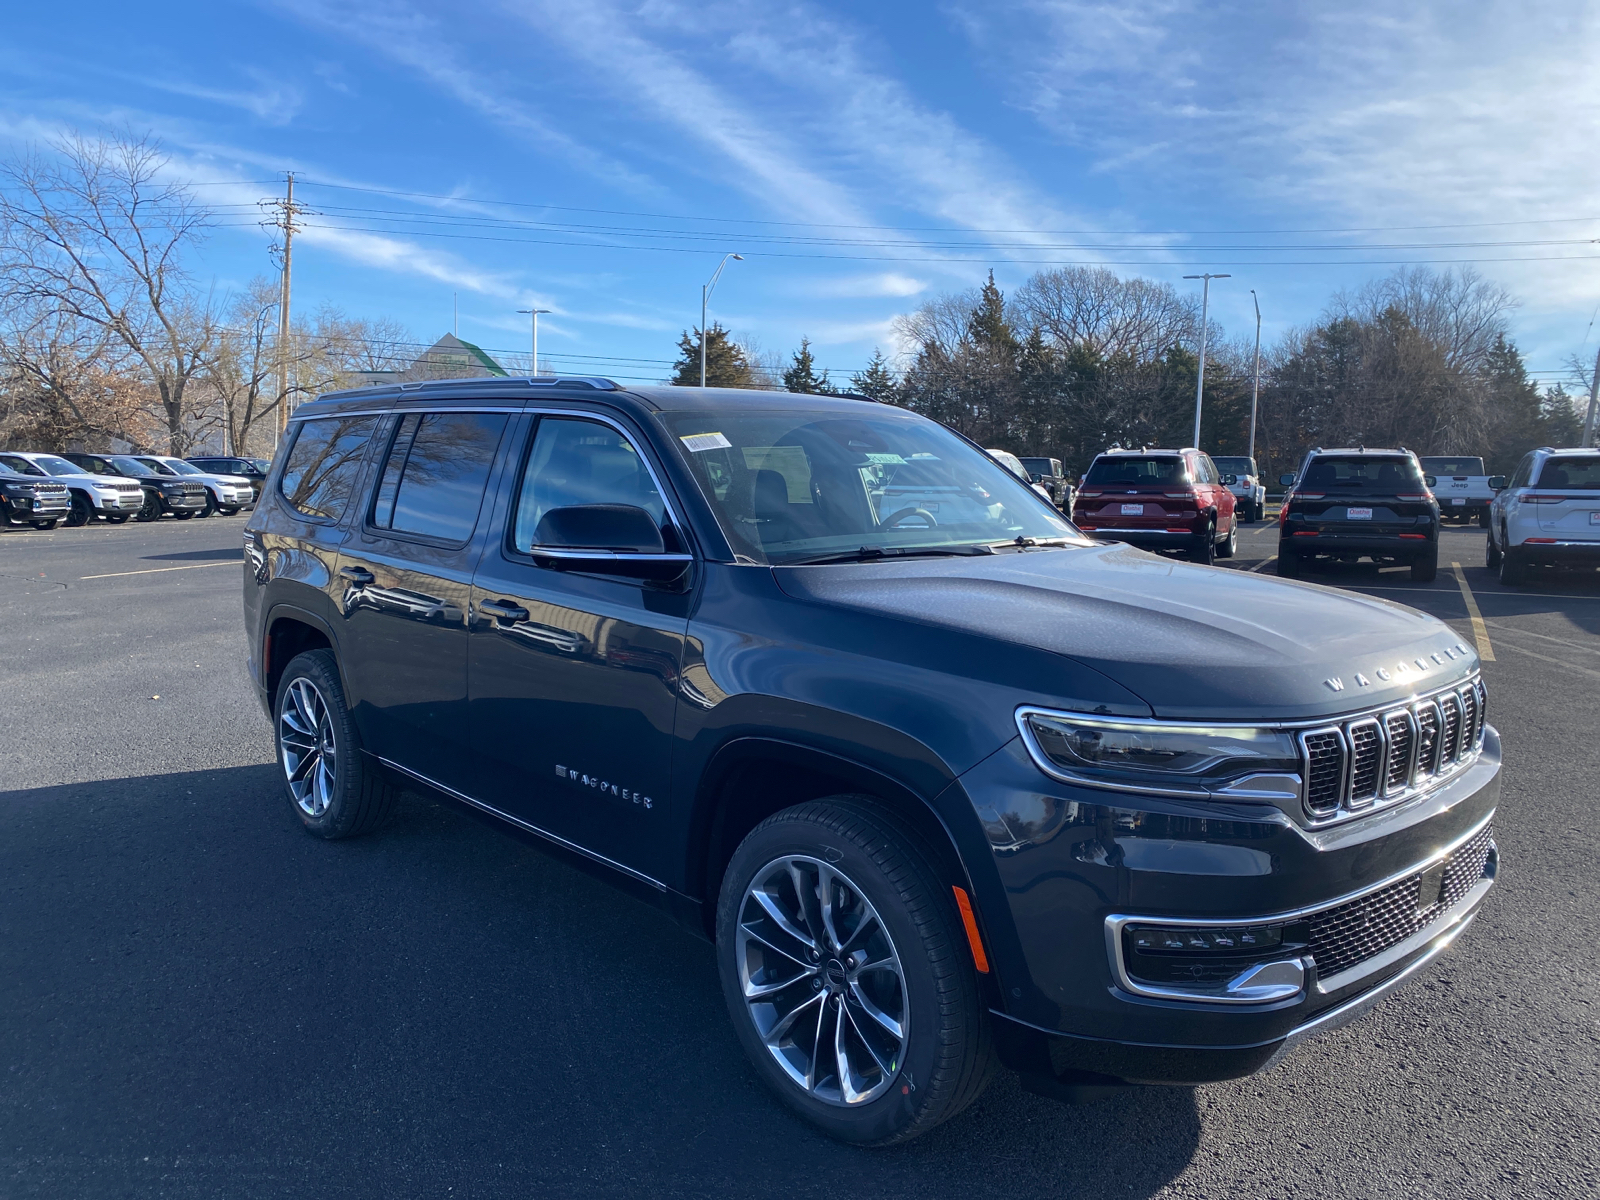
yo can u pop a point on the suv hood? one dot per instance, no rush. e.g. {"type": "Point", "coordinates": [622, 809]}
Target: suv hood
{"type": "Point", "coordinates": [1191, 641]}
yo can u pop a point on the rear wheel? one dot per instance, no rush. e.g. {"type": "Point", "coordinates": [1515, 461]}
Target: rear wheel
{"type": "Point", "coordinates": [1204, 549]}
{"type": "Point", "coordinates": [1424, 570]}
{"type": "Point", "coordinates": [1491, 552]}
{"type": "Point", "coordinates": [1513, 571]}
{"type": "Point", "coordinates": [848, 975]}
{"type": "Point", "coordinates": [334, 790]}
{"type": "Point", "coordinates": [82, 511]}
{"type": "Point", "coordinates": [1231, 546]}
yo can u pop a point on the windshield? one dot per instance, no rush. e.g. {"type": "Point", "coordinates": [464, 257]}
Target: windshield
{"type": "Point", "coordinates": [59, 466]}
{"type": "Point", "coordinates": [792, 486]}
{"type": "Point", "coordinates": [20, 465]}
{"type": "Point", "coordinates": [183, 468]}
{"type": "Point", "coordinates": [1453, 466]}
{"type": "Point", "coordinates": [1370, 474]}
{"type": "Point", "coordinates": [1235, 466]}
{"type": "Point", "coordinates": [1133, 470]}
{"type": "Point", "coordinates": [129, 465]}
{"type": "Point", "coordinates": [1039, 466]}
{"type": "Point", "coordinates": [156, 466]}
{"type": "Point", "coordinates": [1580, 473]}
{"type": "Point", "coordinates": [261, 464]}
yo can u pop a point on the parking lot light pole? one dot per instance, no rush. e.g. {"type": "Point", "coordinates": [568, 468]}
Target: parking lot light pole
{"type": "Point", "coordinates": [1255, 385]}
{"type": "Point", "coordinates": [1594, 392]}
{"type": "Point", "coordinates": [534, 313]}
{"type": "Point", "coordinates": [1205, 312]}
{"type": "Point", "coordinates": [705, 298]}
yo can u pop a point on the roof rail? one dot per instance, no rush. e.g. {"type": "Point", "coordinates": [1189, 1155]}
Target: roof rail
{"type": "Point", "coordinates": [598, 383]}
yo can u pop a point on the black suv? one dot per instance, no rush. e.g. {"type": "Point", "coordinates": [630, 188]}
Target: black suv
{"type": "Point", "coordinates": [1346, 505]}
{"type": "Point", "coordinates": [943, 780]}
{"type": "Point", "coordinates": [253, 469]}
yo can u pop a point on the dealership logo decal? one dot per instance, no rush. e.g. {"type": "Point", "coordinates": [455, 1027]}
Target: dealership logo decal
{"type": "Point", "coordinates": [603, 785]}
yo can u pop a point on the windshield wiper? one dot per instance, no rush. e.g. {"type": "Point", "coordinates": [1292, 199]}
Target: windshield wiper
{"type": "Point", "coordinates": [873, 553]}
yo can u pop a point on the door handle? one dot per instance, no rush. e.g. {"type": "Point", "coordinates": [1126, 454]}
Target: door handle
{"type": "Point", "coordinates": [356, 574]}
{"type": "Point", "coordinates": [502, 610]}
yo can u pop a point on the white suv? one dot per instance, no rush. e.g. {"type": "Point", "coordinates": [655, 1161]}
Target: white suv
{"type": "Point", "coordinates": [109, 496]}
{"type": "Point", "coordinates": [1548, 515]}
{"type": "Point", "coordinates": [226, 494]}
{"type": "Point", "coordinates": [1247, 487]}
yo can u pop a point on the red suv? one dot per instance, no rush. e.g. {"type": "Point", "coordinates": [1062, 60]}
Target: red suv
{"type": "Point", "coordinates": [1160, 500]}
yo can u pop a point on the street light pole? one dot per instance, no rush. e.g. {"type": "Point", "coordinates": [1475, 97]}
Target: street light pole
{"type": "Point", "coordinates": [1205, 316]}
{"type": "Point", "coordinates": [1594, 392]}
{"type": "Point", "coordinates": [705, 299]}
{"type": "Point", "coordinates": [534, 313]}
{"type": "Point", "coordinates": [1255, 386]}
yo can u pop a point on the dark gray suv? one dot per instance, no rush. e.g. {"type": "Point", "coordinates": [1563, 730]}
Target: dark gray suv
{"type": "Point", "coordinates": [946, 782]}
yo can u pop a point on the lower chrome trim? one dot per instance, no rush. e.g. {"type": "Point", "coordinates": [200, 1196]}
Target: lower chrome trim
{"type": "Point", "coordinates": [523, 825]}
{"type": "Point", "coordinates": [1461, 912]}
{"type": "Point", "coordinates": [1116, 921]}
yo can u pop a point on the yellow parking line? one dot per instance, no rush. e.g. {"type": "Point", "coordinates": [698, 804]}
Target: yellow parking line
{"type": "Point", "coordinates": [157, 570]}
{"type": "Point", "coordinates": [1479, 629]}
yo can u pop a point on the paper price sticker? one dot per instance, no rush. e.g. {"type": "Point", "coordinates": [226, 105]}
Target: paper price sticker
{"type": "Point", "coordinates": [699, 443]}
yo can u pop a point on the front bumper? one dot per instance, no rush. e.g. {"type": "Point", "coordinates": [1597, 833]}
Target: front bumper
{"type": "Point", "coordinates": [120, 502]}
{"type": "Point", "coordinates": [38, 512]}
{"type": "Point", "coordinates": [1069, 863]}
{"type": "Point", "coordinates": [182, 503]}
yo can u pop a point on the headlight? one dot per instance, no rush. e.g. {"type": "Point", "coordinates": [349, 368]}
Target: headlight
{"type": "Point", "coordinates": [1241, 761]}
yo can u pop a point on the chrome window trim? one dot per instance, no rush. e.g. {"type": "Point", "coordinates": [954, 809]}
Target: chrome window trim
{"type": "Point", "coordinates": [1115, 922]}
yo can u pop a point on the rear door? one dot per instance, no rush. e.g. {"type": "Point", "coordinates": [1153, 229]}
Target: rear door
{"type": "Point", "coordinates": [1567, 498]}
{"type": "Point", "coordinates": [574, 677]}
{"type": "Point", "coordinates": [404, 580]}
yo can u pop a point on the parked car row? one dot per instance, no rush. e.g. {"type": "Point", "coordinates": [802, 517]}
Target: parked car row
{"type": "Point", "coordinates": [84, 487]}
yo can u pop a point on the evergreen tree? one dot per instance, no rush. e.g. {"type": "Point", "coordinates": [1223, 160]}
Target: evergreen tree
{"type": "Point", "coordinates": [802, 376]}
{"type": "Point", "coordinates": [989, 327]}
{"type": "Point", "coordinates": [877, 381]}
{"type": "Point", "coordinates": [726, 365]}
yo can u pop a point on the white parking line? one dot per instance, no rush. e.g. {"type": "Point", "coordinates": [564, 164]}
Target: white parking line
{"type": "Point", "coordinates": [1480, 631]}
{"type": "Point", "coordinates": [1265, 563]}
{"type": "Point", "coordinates": [1560, 662]}
{"type": "Point", "coordinates": [157, 570]}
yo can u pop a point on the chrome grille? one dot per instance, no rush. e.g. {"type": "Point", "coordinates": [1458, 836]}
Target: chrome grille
{"type": "Point", "coordinates": [1366, 750]}
{"type": "Point", "coordinates": [1398, 772]}
{"type": "Point", "coordinates": [1383, 758]}
{"type": "Point", "coordinates": [1349, 934]}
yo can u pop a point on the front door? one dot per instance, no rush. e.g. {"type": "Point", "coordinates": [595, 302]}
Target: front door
{"type": "Point", "coordinates": [574, 677]}
{"type": "Point", "coordinates": [405, 578]}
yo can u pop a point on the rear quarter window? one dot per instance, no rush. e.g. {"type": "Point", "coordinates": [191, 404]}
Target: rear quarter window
{"type": "Point", "coordinates": [324, 464]}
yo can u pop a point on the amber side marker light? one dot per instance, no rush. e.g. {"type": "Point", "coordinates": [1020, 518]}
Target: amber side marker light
{"type": "Point", "coordinates": [979, 958]}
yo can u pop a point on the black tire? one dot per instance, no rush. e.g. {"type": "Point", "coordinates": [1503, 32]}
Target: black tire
{"type": "Point", "coordinates": [1288, 564]}
{"type": "Point", "coordinates": [211, 505]}
{"type": "Point", "coordinates": [1513, 571]}
{"type": "Point", "coordinates": [1491, 552]}
{"type": "Point", "coordinates": [82, 511]}
{"type": "Point", "coordinates": [1204, 549]}
{"type": "Point", "coordinates": [947, 1057]}
{"type": "Point", "coordinates": [44, 524]}
{"type": "Point", "coordinates": [117, 518]}
{"type": "Point", "coordinates": [229, 511]}
{"type": "Point", "coordinates": [184, 516]}
{"type": "Point", "coordinates": [359, 798]}
{"type": "Point", "coordinates": [1484, 517]}
{"type": "Point", "coordinates": [150, 510]}
{"type": "Point", "coordinates": [1425, 570]}
{"type": "Point", "coordinates": [1230, 547]}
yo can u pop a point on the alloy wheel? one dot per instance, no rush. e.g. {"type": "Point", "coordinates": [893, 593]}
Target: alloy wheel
{"type": "Point", "coordinates": [309, 748]}
{"type": "Point", "coordinates": [822, 981]}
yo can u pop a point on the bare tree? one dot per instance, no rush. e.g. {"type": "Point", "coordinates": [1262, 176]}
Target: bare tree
{"type": "Point", "coordinates": [65, 383]}
{"type": "Point", "coordinates": [1459, 311]}
{"type": "Point", "coordinates": [1093, 307]}
{"type": "Point", "coordinates": [97, 232]}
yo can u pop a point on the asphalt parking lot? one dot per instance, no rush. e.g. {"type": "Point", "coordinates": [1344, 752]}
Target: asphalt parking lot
{"type": "Point", "coordinates": [197, 999]}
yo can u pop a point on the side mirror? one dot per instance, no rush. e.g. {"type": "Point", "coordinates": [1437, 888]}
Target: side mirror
{"type": "Point", "coordinates": [1285, 480]}
{"type": "Point", "coordinates": [1035, 478]}
{"type": "Point", "coordinates": [1497, 483]}
{"type": "Point", "coordinates": [1229, 480]}
{"type": "Point", "coordinates": [1430, 480]}
{"type": "Point", "coordinates": [609, 539]}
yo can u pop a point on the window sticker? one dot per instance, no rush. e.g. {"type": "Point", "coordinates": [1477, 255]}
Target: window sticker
{"type": "Point", "coordinates": [887, 460]}
{"type": "Point", "coordinates": [699, 443]}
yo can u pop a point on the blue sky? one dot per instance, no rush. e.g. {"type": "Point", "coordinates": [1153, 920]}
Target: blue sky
{"type": "Point", "coordinates": [598, 158]}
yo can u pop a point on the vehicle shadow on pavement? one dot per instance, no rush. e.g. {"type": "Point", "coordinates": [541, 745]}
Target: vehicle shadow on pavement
{"type": "Point", "coordinates": [221, 554]}
{"type": "Point", "coordinates": [197, 998]}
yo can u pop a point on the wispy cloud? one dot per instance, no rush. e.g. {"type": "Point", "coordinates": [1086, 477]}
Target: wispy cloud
{"type": "Point", "coordinates": [888, 283]}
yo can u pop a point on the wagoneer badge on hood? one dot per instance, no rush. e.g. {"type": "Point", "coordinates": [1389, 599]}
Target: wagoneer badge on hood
{"type": "Point", "coordinates": [1402, 668]}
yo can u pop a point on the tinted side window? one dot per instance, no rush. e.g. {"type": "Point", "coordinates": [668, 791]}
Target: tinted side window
{"type": "Point", "coordinates": [323, 464]}
{"type": "Point", "coordinates": [580, 462]}
{"type": "Point", "coordinates": [434, 479]}
{"type": "Point", "coordinates": [1524, 472]}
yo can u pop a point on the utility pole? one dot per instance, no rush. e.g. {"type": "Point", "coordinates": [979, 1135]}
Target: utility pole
{"type": "Point", "coordinates": [534, 313]}
{"type": "Point", "coordinates": [1205, 315]}
{"type": "Point", "coordinates": [283, 217]}
{"type": "Point", "coordinates": [1594, 391]}
{"type": "Point", "coordinates": [705, 298]}
{"type": "Point", "coordinates": [1255, 386]}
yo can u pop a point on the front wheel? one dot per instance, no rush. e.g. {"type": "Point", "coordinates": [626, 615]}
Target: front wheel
{"type": "Point", "coordinates": [848, 973]}
{"type": "Point", "coordinates": [150, 510]}
{"type": "Point", "coordinates": [333, 789]}
{"type": "Point", "coordinates": [82, 512]}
